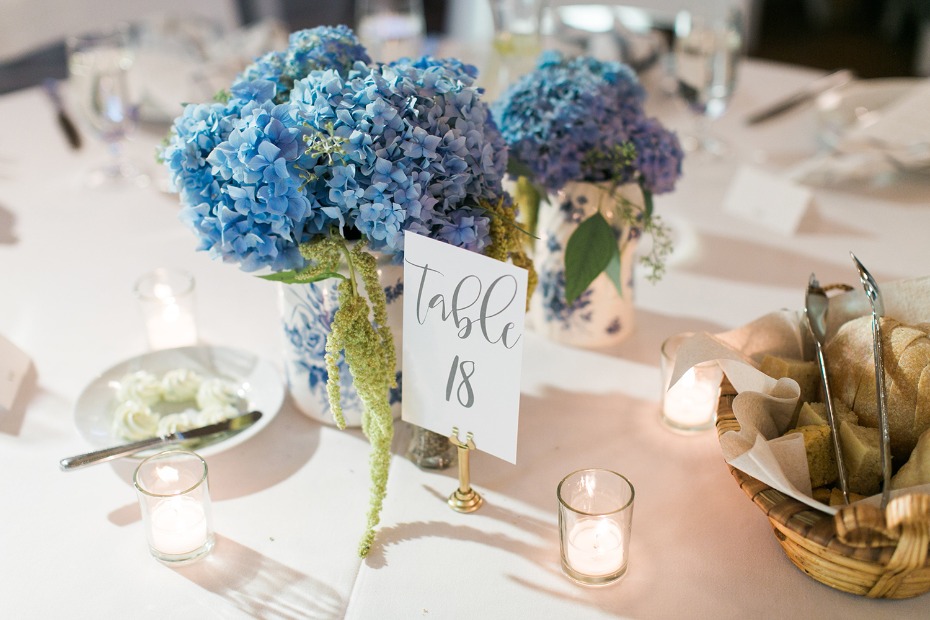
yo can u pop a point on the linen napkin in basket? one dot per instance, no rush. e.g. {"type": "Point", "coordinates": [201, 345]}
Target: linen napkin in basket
{"type": "Point", "coordinates": [764, 406]}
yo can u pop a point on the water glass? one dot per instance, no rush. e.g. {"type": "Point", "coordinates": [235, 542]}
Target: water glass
{"type": "Point", "coordinates": [391, 29]}
{"type": "Point", "coordinates": [595, 524]}
{"type": "Point", "coordinates": [98, 67]}
{"type": "Point", "coordinates": [174, 497]}
{"type": "Point", "coordinates": [707, 49]}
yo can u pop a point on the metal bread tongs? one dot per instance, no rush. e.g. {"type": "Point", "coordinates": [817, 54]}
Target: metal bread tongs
{"type": "Point", "coordinates": [815, 309]}
{"type": "Point", "coordinates": [878, 310]}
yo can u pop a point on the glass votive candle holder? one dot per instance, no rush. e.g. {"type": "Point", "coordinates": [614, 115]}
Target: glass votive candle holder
{"type": "Point", "coordinates": [691, 404]}
{"type": "Point", "coordinates": [167, 300]}
{"type": "Point", "coordinates": [174, 496]}
{"type": "Point", "coordinates": [595, 521]}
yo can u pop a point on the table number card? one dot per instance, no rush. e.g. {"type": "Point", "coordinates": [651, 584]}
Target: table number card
{"type": "Point", "coordinates": [463, 343]}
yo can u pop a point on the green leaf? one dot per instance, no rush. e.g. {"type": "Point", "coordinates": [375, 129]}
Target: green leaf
{"type": "Point", "coordinates": [587, 254]}
{"type": "Point", "coordinates": [300, 277]}
{"type": "Point", "coordinates": [613, 272]}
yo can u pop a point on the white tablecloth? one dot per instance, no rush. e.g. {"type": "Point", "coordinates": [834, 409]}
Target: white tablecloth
{"type": "Point", "coordinates": [289, 504]}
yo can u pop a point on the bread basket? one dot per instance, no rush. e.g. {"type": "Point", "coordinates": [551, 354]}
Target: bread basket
{"type": "Point", "coordinates": [860, 550]}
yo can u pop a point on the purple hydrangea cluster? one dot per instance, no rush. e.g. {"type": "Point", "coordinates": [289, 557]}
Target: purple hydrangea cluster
{"type": "Point", "coordinates": [318, 140]}
{"type": "Point", "coordinates": [569, 118]}
{"type": "Point", "coordinates": [417, 149]}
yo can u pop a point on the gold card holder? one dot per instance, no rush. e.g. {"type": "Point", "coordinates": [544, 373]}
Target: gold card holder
{"type": "Point", "coordinates": [465, 498]}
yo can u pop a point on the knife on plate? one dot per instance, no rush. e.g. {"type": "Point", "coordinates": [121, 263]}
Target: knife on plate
{"type": "Point", "coordinates": [231, 426]}
{"type": "Point", "coordinates": [809, 92]}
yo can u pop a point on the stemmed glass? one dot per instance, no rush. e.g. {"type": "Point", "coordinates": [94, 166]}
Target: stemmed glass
{"type": "Point", "coordinates": [517, 42]}
{"type": "Point", "coordinates": [98, 65]}
{"type": "Point", "coordinates": [391, 29]}
{"type": "Point", "coordinates": [707, 50]}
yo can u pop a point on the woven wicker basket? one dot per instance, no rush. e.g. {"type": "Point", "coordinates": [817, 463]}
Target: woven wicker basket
{"type": "Point", "coordinates": [859, 550]}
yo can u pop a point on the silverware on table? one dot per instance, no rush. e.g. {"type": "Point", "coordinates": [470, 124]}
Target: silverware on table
{"type": "Point", "coordinates": [878, 310]}
{"type": "Point", "coordinates": [229, 427]}
{"type": "Point", "coordinates": [815, 309]}
{"type": "Point", "coordinates": [809, 92]}
{"type": "Point", "coordinates": [64, 119]}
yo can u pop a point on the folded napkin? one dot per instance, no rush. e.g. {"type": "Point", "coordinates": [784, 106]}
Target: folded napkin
{"type": "Point", "coordinates": [882, 141]}
{"type": "Point", "coordinates": [764, 406]}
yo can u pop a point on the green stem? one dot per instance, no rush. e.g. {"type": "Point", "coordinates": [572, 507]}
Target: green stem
{"type": "Point", "coordinates": [348, 256]}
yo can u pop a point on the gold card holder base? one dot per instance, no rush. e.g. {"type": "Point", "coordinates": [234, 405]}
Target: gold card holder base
{"type": "Point", "coordinates": [465, 498]}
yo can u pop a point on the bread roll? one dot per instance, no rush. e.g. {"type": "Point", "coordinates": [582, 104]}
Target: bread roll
{"type": "Point", "coordinates": [816, 413]}
{"type": "Point", "coordinates": [917, 469]}
{"type": "Point", "coordinates": [862, 458]}
{"type": "Point", "coordinates": [851, 369]}
{"type": "Point", "coordinates": [821, 461]}
{"type": "Point", "coordinates": [836, 497]}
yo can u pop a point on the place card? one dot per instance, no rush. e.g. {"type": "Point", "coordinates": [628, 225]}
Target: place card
{"type": "Point", "coordinates": [463, 343]}
{"type": "Point", "coordinates": [767, 199]}
{"type": "Point", "coordinates": [14, 364]}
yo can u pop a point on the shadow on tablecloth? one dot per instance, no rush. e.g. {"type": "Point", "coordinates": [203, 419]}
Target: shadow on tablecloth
{"type": "Point", "coordinates": [260, 587]}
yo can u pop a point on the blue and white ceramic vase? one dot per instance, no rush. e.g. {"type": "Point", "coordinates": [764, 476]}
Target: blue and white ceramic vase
{"type": "Point", "coordinates": [306, 316]}
{"type": "Point", "coordinates": [601, 316]}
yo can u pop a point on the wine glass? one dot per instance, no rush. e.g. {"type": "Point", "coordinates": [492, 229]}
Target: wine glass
{"type": "Point", "coordinates": [98, 66]}
{"type": "Point", "coordinates": [706, 54]}
{"type": "Point", "coordinates": [517, 42]}
{"type": "Point", "coordinates": [391, 29]}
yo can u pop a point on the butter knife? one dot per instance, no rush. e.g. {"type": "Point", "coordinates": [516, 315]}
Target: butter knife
{"type": "Point", "coordinates": [64, 120]}
{"type": "Point", "coordinates": [231, 426]}
{"type": "Point", "coordinates": [809, 92]}
{"type": "Point", "coordinates": [878, 310]}
{"type": "Point", "coordinates": [815, 309]}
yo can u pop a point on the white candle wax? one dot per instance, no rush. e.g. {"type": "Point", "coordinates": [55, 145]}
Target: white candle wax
{"type": "Point", "coordinates": [179, 525]}
{"type": "Point", "coordinates": [595, 547]}
{"type": "Point", "coordinates": [690, 402]}
{"type": "Point", "coordinates": [171, 326]}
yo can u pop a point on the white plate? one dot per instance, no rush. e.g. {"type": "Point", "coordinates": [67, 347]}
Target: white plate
{"type": "Point", "coordinates": [259, 384]}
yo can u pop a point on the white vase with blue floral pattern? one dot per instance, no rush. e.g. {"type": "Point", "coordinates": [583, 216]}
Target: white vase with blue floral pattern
{"type": "Point", "coordinates": [306, 316]}
{"type": "Point", "coordinates": [601, 316]}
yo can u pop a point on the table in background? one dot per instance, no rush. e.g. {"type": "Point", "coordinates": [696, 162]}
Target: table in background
{"type": "Point", "coordinates": [289, 504]}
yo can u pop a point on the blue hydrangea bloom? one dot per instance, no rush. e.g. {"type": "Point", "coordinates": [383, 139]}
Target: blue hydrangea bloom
{"type": "Point", "coordinates": [309, 50]}
{"type": "Point", "coordinates": [317, 139]}
{"type": "Point", "coordinates": [271, 68]}
{"type": "Point", "coordinates": [559, 117]}
{"type": "Point", "coordinates": [239, 178]}
{"type": "Point", "coordinates": [321, 48]}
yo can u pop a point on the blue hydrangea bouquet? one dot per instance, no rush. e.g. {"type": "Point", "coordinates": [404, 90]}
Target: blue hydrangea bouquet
{"type": "Point", "coordinates": [581, 119]}
{"type": "Point", "coordinates": [315, 157]}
